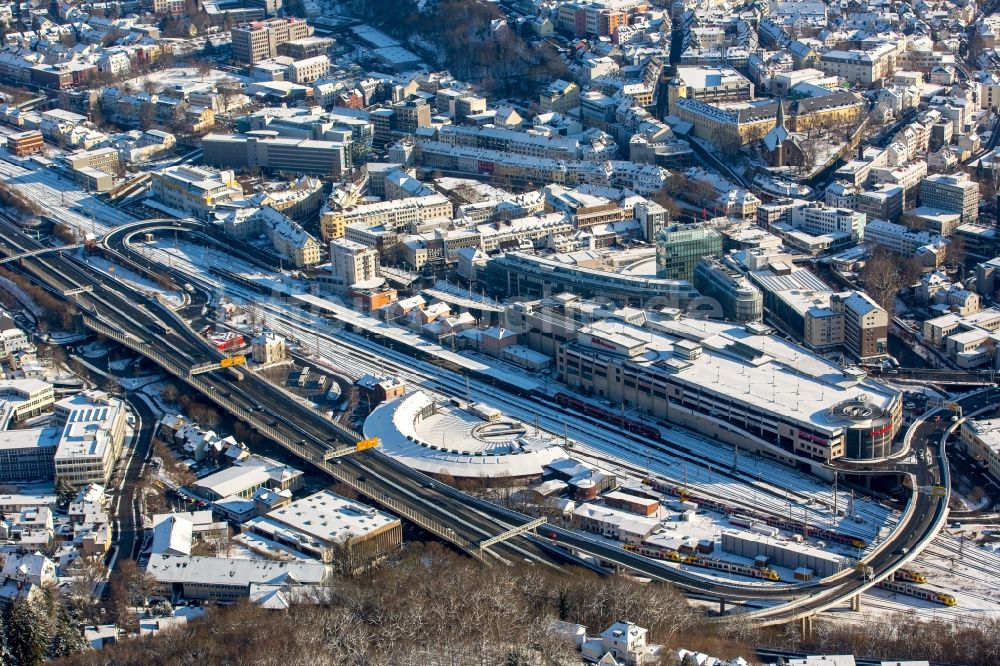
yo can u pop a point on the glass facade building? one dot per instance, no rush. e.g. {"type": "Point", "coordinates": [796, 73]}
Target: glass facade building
{"type": "Point", "coordinates": [680, 246]}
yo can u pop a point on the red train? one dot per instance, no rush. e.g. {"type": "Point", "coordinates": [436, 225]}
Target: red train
{"type": "Point", "coordinates": [589, 409]}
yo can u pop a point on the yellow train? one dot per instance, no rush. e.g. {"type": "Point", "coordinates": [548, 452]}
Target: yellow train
{"type": "Point", "coordinates": [918, 592]}
{"type": "Point", "coordinates": [696, 560]}
{"type": "Point", "coordinates": [909, 575]}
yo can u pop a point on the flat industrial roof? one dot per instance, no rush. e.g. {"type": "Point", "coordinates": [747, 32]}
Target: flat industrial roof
{"type": "Point", "coordinates": [330, 518]}
{"type": "Point", "coordinates": [764, 371]}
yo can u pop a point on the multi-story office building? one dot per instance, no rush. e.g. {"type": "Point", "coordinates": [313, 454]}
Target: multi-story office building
{"type": "Point", "coordinates": [277, 153]}
{"type": "Point", "coordinates": [195, 191]}
{"type": "Point", "coordinates": [801, 304]}
{"type": "Point", "coordinates": [28, 454]}
{"type": "Point", "coordinates": [12, 338]}
{"type": "Point", "coordinates": [711, 85]}
{"type": "Point", "coordinates": [253, 42]}
{"type": "Point", "coordinates": [530, 276]}
{"type": "Point", "coordinates": [819, 218]}
{"type": "Point", "coordinates": [103, 159]}
{"type": "Point", "coordinates": [400, 118]}
{"type": "Point", "coordinates": [23, 398]}
{"type": "Point", "coordinates": [737, 297]}
{"type": "Point", "coordinates": [982, 442]}
{"type": "Point", "coordinates": [308, 70]}
{"type": "Point", "coordinates": [924, 218]}
{"type": "Point", "coordinates": [229, 579]}
{"type": "Point", "coordinates": [679, 247]}
{"type": "Point", "coordinates": [883, 203]}
{"type": "Point", "coordinates": [954, 193]}
{"type": "Point", "coordinates": [92, 432]}
{"type": "Point", "coordinates": [25, 143]}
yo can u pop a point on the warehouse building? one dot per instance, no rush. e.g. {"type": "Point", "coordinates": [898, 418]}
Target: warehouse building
{"type": "Point", "coordinates": [781, 553]}
{"type": "Point", "coordinates": [332, 529]}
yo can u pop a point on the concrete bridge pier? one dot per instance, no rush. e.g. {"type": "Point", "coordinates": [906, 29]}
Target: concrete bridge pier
{"type": "Point", "coordinates": [856, 603]}
{"type": "Point", "coordinates": [722, 606]}
{"type": "Point", "coordinates": [806, 625]}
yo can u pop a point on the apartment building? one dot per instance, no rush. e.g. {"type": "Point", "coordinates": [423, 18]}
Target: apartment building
{"type": "Point", "coordinates": [168, 7]}
{"type": "Point", "coordinates": [560, 96]}
{"type": "Point", "coordinates": [901, 239]}
{"type": "Point", "coordinates": [92, 433]}
{"type": "Point", "coordinates": [254, 42]}
{"type": "Point", "coordinates": [521, 143]}
{"type": "Point", "coordinates": [352, 263]}
{"type": "Point", "coordinates": [287, 236]}
{"type": "Point", "coordinates": [394, 214]}
{"type": "Point", "coordinates": [866, 68]}
{"type": "Point", "coordinates": [955, 193]}
{"type": "Point", "coordinates": [522, 170]}
{"type": "Point", "coordinates": [195, 191]}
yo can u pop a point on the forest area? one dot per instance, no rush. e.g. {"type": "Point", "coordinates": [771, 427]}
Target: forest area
{"type": "Point", "coordinates": [470, 39]}
{"type": "Point", "coordinates": [433, 606]}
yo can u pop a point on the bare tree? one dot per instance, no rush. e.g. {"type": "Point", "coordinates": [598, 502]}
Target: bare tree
{"type": "Point", "coordinates": [881, 277]}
